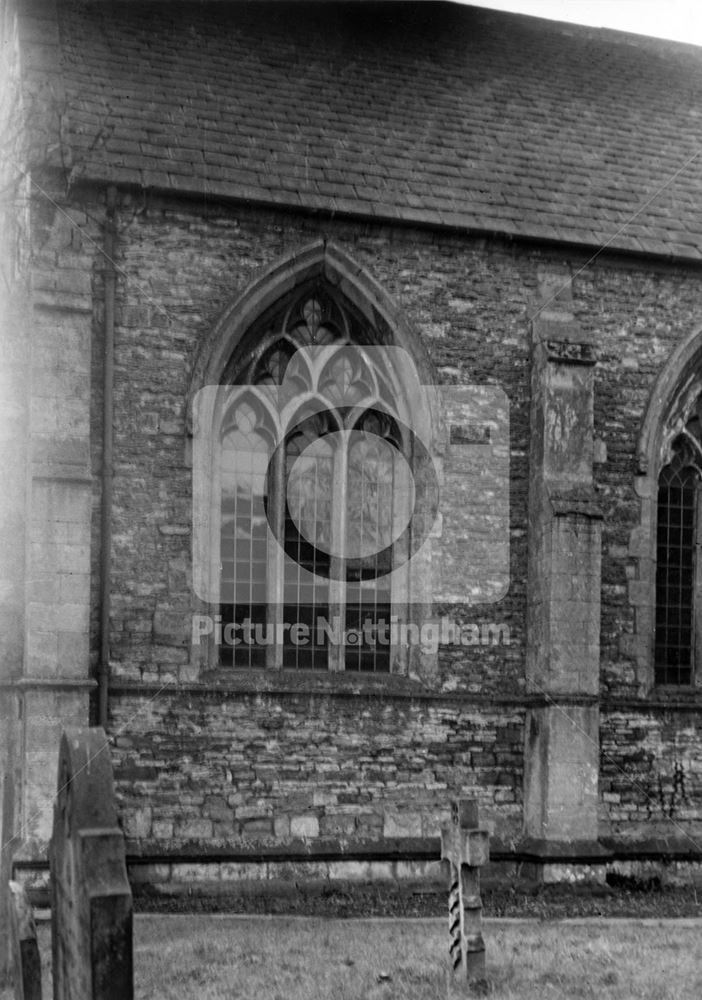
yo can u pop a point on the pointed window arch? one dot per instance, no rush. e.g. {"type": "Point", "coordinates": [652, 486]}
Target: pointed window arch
{"type": "Point", "coordinates": [314, 375]}
{"type": "Point", "coordinates": [665, 589]}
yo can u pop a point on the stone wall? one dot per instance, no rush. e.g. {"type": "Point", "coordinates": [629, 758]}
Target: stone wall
{"type": "Point", "coordinates": [245, 761]}
{"type": "Point", "coordinates": [651, 777]}
{"type": "Point", "coordinates": [228, 770]}
{"type": "Point", "coordinates": [183, 270]}
{"type": "Point", "coordinates": [470, 301]}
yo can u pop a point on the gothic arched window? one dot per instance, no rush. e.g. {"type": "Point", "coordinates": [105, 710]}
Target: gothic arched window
{"type": "Point", "coordinates": [678, 567]}
{"type": "Point", "coordinates": [315, 492]}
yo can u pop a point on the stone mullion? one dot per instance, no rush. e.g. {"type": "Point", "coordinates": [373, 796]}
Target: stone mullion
{"type": "Point", "coordinates": [276, 561]}
{"type": "Point", "coordinates": [337, 587]}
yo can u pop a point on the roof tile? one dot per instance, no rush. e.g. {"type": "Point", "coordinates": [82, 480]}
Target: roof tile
{"type": "Point", "coordinates": [433, 113]}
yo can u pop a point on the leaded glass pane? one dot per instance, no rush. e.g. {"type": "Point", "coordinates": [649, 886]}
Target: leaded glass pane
{"type": "Point", "coordinates": [245, 451]}
{"type": "Point", "coordinates": [675, 570]}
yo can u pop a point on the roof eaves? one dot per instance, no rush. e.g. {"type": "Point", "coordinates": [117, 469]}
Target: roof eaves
{"type": "Point", "coordinates": [168, 182]}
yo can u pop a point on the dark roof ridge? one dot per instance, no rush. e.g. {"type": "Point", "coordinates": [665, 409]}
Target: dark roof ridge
{"type": "Point", "coordinates": [540, 23]}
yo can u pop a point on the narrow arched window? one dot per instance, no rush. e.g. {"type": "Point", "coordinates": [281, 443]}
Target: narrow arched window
{"type": "Point", "coordinates": [246, 444]}
{"type": "Point", "coordinates": [677, 633]}
{"type": "Point", "coordinates": [315, 494]}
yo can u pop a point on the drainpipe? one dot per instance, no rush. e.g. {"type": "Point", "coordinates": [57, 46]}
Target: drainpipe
{"type": "Point", "coordinates": [107, 453]}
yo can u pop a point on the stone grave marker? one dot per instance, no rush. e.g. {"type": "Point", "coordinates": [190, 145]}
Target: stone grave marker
{"type": "Point", "coordinates": [24, 950]}
{"type": "Point", "coordinates": [465, 846]}
{"type": "Point", "coordinates": [91, 902]}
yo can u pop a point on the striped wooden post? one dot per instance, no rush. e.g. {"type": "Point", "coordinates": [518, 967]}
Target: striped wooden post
{"type": "Point", "coordinates": [465, 847]}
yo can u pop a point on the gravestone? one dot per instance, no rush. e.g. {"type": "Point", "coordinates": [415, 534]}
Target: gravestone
{"type": "Point", "coordinates": [24, 950]}
{"type": "Point", "coordinates": [91, 902]}
{"type": "Point", "coordinates": [465, 846]}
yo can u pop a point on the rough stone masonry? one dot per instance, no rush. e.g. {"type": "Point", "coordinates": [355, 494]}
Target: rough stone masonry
{"type": "Point", "coordinates": [453, 223]}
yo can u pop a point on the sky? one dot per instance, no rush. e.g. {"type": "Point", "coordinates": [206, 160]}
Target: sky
{"type": "Point", "coordinates": [677, 19]}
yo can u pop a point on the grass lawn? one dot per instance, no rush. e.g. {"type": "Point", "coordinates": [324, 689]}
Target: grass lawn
{"type": "Point", "coordinates": [279, 958]}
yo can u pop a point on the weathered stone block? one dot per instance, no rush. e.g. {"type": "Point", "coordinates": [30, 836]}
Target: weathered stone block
{"type": "Point", "coordinates": [281, 827]}
{"type": "Point", "coordinates": [356, 870]}
{"type": "Point", "coordinates": [405, 824]}
{"type": "Point", "coordinates": [162, 829]}
{"type": "Point", "coordinates": [137, 824]}
{"type": "Point", "coordinates": [562, 768]}
{"type": "Point", "coordinates": [337, 825]}
{"type": "Point", "coordinates": [304, 826]}
{"type": "Point", "coordinates": [257, 828]}
{"type": "Point", "coordinates": [172, 627]}
{"type": "Point", "coordinates": [194, 829]}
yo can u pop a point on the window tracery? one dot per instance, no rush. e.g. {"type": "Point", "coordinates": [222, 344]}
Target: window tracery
{"type": "Point", "coordinates": [336, 491]}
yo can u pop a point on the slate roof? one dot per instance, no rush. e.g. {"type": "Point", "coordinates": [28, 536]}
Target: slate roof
{"type": "Point", "coordinates": [431, 113]}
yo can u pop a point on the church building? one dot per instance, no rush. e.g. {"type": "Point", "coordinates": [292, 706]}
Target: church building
{"type": "Point", "coordinates": [351, 435]}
